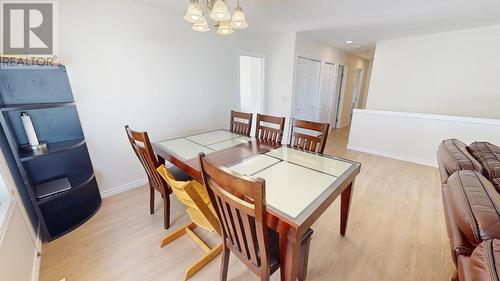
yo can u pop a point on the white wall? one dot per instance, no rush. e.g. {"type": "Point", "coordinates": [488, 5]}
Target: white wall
{"type": "Point", "coordinates": [280, 65]}
{"type": "Point", "coordinates": [251, 83]}
{"type": "Point", "coordinates": [452, 73]}
{"type": "Point", "coordinates": [415, 137]}
{"type": "Point", "coordinates": [280, 73]}
{"type": "Point", "coordinates": [317, 50]}
{"type": "Point", "coordinates": [129, 63]}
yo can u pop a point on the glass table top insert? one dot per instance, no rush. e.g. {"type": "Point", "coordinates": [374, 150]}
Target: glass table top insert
{"type": "Point", "coordinates": [294, 179]}
{"type": "Point", "coordinates": [189, 147]}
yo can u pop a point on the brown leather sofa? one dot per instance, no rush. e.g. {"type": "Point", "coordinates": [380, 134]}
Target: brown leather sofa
{"type": "Point", "coordinates": [470, 187]}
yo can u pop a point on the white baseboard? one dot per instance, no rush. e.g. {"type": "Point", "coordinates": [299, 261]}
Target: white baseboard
{"type": "Point", "coordinates": [392, 155]}
{"type": "Point", "coordinates": [123, 188]}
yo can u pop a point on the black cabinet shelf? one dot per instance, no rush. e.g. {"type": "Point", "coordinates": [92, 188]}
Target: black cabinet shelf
{"type": "Point", "coordinates": [76, 181]}
{"type": "Point", "coordinates": [31, 106]}
{"type": "Point", "coordinates": [45, 95]}
{"type": "Point", "coordinates": [54, 147]}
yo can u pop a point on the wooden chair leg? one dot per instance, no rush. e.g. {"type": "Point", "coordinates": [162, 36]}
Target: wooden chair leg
{"type": "Point", "coordinates": [166, 211]}
{"type": "Point", "coordinates": [151, 200]}
{"type": "Point", "coordinates": [264, 275]}
{"type": "Point", "coordinates": [304, 255]}
{"type": "Point", "coordinates": [224, 264]}
{"type": "Point", "coordinates": [210, 255]}
{"type": "Point", "coordinates": [176, 234]}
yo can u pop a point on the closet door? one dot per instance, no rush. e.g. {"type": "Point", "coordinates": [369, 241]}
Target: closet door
{"type": "Point", "coordinates": [307, 79]}
{"type": "Point", "coordinates": [326, 92]}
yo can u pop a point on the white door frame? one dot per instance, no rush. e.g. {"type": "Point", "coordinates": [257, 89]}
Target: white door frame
{"type": "Point", "coordinates": [340, 89]}
{"type": "Point", "coordinates": [264, 74]}
{"type": "Point", "coordinates": [356, 90]}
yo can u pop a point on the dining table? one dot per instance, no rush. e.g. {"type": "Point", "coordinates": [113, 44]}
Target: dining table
{"type": "Point", "coordinates": [300, 185]}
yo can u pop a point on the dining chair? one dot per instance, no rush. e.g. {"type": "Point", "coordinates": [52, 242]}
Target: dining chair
{"type": "Point", "coordinates": [308, 135]}
{"type": "Point", "coordinates": [199, 208]}
{"type": "Point", "coordinates": [239, 202]}
{"type": "Point", "coordinates": [142, 148]}
{"type": "Point", "coordinates": [241, 123]}
{"type": "Point", "coordinates": [269, 128]}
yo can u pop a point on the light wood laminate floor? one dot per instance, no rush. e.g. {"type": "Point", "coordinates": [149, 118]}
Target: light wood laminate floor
{"type": "Point", "coordinates": [396, 232]}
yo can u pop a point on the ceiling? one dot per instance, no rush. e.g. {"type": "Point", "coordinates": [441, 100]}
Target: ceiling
{"type": "Point", "coordinates": [363, 21]}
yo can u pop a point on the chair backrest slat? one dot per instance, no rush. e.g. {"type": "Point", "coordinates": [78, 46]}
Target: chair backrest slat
{"type": "Point", "coordinates": [237, 126]}
{"type": "Point", "coordinates": [269, 134]}
{"type": "Point", "coordinates": [223, 218]}
{"type": "Point", "coordinates": [251, 239]}
{"type": "Point", "coordinates": [309, 142]}
{"type": "Point", "coordinates": [241, 208]}
{"type": "Point", "coordinates": [144, 151]}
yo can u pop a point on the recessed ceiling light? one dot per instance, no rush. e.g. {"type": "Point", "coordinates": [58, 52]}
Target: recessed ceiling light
{"type": "Point", "coordinates": [357, 46]}
{"type": "Point", "coordinates": [348, 42]}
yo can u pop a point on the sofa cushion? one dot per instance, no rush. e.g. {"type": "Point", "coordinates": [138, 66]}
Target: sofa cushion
{"type": "Point", "coordinates": [489, 156]}
{"type": "Point", "coordinates": [459, 244]}
{"type": "Point", "coordinates": [476, 206]}
{"type": "Point", "coordinates": [454, 156]}
{"type": "Point", "coordinates": [485, 261]}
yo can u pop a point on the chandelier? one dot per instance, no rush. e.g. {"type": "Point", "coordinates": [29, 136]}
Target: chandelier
{"type": "Point", "coordinates": [218, 12]}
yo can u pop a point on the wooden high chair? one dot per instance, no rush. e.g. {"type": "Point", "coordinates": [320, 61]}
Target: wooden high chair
{"type": "Point", "coordinates": [202, 214]}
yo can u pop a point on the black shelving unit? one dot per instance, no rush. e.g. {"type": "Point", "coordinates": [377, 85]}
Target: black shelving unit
{"type": "Point", "coordinates": [45, 94]}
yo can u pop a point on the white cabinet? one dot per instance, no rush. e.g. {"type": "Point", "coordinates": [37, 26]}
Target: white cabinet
{"type": "Point", "coordinates": [18, 255]}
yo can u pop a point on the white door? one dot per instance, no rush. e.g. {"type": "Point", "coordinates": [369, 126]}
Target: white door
{"type": "Point", "coordinates": [251, 83]}
{"type": "Point", "coordinates": [326, 92]}
{"type": "Point", "coordinates": [356, 90]}
{"type": "Point", "coordinates": [307, 79]}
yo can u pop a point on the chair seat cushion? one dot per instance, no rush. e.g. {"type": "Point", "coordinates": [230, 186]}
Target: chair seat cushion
{"type": "Point", "coordinates": [454, 156]}
{"type": "Point", "coordinates": [178, 174]}
{"type": "Point", "coordinates": [274, 242]}
{"type": "Point", "coordinates": [274, 250]}
{"type": "Point", "coordinates": [476, 206]}
{"type": "Point", "coordinates": [489, 156]}
{"type": "Point", "coordinates": [483, 264]}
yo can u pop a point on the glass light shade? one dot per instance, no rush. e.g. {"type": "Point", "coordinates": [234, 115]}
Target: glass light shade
{"type": "Point", "coordinates": [194, 13]}
{"type": "Point", "coordinates": [220, 11]}
{"type": "Point", "coordinates": [239, 21]}
{"type": "Point", "coordinates": [201, 26]}
{"type": "Point", "coordinates": [225, 28]}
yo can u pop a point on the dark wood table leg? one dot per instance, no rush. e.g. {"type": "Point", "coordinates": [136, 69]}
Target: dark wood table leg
{"type": "Point", "coordinates": [289, 254]}
{"type": "Point", "coordinates": [345, 203]}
